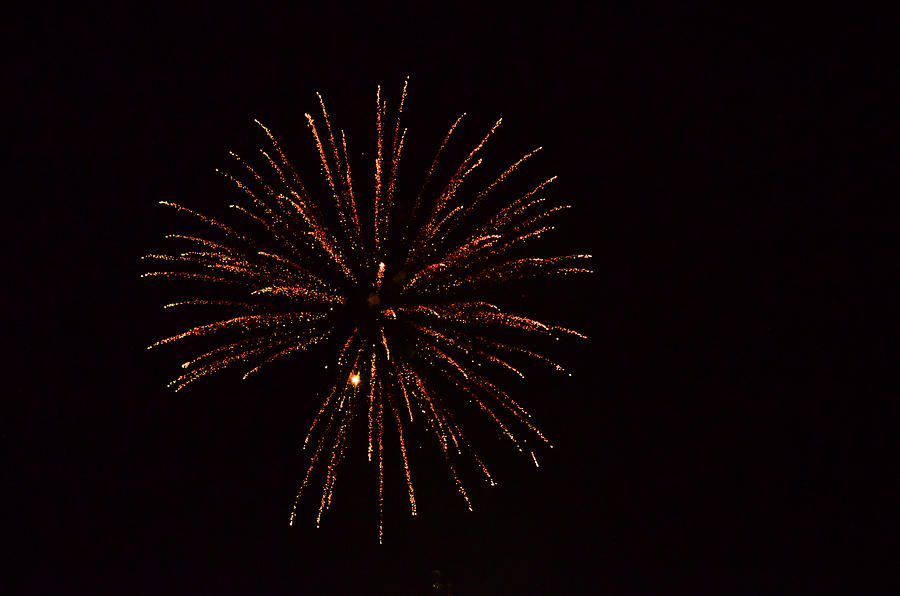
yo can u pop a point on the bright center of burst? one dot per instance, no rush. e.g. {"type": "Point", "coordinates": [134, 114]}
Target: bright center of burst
{"type": "Point", "coordinates": [354, 379]}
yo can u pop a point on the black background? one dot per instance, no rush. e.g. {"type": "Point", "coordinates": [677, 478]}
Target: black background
{"type": "Point", "coordinates": [723, 432]}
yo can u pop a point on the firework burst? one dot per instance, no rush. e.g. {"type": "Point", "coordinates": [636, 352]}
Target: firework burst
{"type": "Point", "coordinates": [302, 270]}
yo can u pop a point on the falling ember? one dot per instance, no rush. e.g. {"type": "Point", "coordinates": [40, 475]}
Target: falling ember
{"type": "Point", "coordinates": [408, 279]}
{"type": "Point", "coordinates": [380, 277]}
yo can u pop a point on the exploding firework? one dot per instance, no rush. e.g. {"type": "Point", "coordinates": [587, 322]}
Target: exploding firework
{"type": "Point", "coordinates": [301, 270]}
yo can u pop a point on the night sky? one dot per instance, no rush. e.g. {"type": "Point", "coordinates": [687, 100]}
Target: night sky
{"type": "Point", "coordinates": [723, 431]}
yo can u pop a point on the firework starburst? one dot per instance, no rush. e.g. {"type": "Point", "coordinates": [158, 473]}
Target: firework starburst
{"type": "Point", "coordinates": [305, 268]}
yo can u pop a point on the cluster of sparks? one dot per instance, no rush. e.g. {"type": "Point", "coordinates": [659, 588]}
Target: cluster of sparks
{"type": "Point", "coordinates": [295, 271]}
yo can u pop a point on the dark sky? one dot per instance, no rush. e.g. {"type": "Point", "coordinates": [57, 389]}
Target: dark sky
{"type": "Point", "coordinates": [723, 432]}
